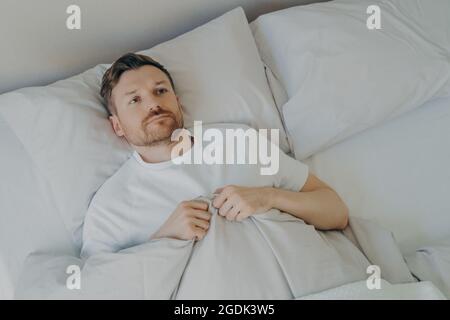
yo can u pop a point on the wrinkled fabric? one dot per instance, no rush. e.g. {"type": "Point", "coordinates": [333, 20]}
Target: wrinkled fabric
{"type": "Point", "coordinates": [272, 255]}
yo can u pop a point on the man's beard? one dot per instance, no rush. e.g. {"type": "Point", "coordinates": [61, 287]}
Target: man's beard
{"type": "Point", "coordinates": [157, 135]}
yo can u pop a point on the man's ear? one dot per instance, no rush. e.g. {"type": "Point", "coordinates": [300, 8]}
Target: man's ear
{"type": "Point", "coordinates": [180, 106]}
{"type": "Point", "coordinates": [115, 124]}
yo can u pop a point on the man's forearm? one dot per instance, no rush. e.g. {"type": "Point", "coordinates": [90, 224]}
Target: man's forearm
{"type": "Point", "coordinates": [322, 208]}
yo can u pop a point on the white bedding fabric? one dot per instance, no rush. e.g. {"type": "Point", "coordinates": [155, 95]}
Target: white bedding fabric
{"type": "Point", "coordinates": [28, 222]}
{"type": "Point", "coordinates": [432, 263]}
{"type": "Point", "coordinates": [424, 290]}
{"type": "Point", "coordinates": [271, 255]}
{"type": "Point", "coordinates": [397, 174]}
{"type": "Point", "coordinates": [342, 78]}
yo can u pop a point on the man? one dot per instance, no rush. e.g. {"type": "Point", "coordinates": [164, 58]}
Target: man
{"type": "Point", "coordinates": [150, 197]}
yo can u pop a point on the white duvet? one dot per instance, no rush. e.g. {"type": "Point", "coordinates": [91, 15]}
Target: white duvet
{"type": "Point", "coordinates": [268, 256]}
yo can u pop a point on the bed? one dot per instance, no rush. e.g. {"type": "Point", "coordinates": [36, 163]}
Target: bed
{"type": "Point", "coordinates": [390, 166]}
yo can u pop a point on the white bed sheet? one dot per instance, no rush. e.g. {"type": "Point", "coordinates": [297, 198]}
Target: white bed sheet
{"type": "Point", "coordinates": [397, 174]}
{"type": "Point", "coordinates": [424, 290]}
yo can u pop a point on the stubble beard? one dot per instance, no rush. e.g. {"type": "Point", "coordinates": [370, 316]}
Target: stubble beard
{"type": "Point", "coordinates": [161, 135]}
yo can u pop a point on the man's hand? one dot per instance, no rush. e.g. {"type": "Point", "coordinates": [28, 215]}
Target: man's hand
{"type": "Point", "coordinates": [237, 203]}
{"type": "Point", "coordinates": [190, 220]}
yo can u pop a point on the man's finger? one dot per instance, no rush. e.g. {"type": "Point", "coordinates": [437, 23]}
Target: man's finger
{"type": "Point", "coordinates": [234, 211]}
{"type": "Point", "coordinates": [223, 210]}
{"type": "Point", "coordinates": [197, 204]}
{"type": "Point", "coordinates": [200, 214]}
{"type": "Point", "coordinates": [201, 223]}
{"type": "Point", "coordinates": [199, 233]}
{"type": "Point", "coordinates": [220, 199]}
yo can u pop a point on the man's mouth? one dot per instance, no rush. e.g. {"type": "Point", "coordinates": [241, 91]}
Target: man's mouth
{"type": "Point", "coordinates": [157, 118]}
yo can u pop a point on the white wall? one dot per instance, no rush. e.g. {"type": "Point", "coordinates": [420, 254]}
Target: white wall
{"type": "Point", "coordinates": [37, 48]}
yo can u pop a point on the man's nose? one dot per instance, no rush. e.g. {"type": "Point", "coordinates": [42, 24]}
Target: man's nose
{"type": "Point", "coordinates": [154, 108]}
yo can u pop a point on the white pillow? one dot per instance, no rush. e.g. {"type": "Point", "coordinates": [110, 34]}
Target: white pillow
{"type": "Point", "coordinates": [219, 75]}
{"type": "Point", "coordinates": [29, 220]}
{"type": "Point", "coordinates": [276, 87]}
{"type": "Point", "coordinates": [279, 95]}
{"type": "Point", "coordinates": [64, 129]}
{"type": "Point", "coordinates": [341, 77]}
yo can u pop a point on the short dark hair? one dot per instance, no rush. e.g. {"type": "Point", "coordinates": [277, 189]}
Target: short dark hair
{"type": "Point", "coordinates": [129, 61]}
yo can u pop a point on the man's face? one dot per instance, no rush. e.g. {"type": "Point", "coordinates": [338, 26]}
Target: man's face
{"type": "Point", "coordinates": [147, 109]}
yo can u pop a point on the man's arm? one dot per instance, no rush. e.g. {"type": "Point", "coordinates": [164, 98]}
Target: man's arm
{"type": "Point", "coordinates": [316, 204]}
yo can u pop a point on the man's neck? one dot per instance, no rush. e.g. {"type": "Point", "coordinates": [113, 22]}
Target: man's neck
{"type": "Point", "coordinates": [159, 152]}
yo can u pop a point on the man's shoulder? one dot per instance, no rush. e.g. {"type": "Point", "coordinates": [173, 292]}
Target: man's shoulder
{"type": "Point", "coordinates": [116, 185]}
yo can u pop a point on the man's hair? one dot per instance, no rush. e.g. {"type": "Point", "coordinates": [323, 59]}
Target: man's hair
{"type": "Point", "coordinates": [129, 61]}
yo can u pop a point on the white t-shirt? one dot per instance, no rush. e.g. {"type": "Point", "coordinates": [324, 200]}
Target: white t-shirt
{"type": "Point", "coordinates": [133, 203]}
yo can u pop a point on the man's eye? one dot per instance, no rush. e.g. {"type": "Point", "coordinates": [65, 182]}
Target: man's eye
{"type": "Point", "coordinates": [134, 100]}
{"type": "Point", "coordinates": [161, 91]}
